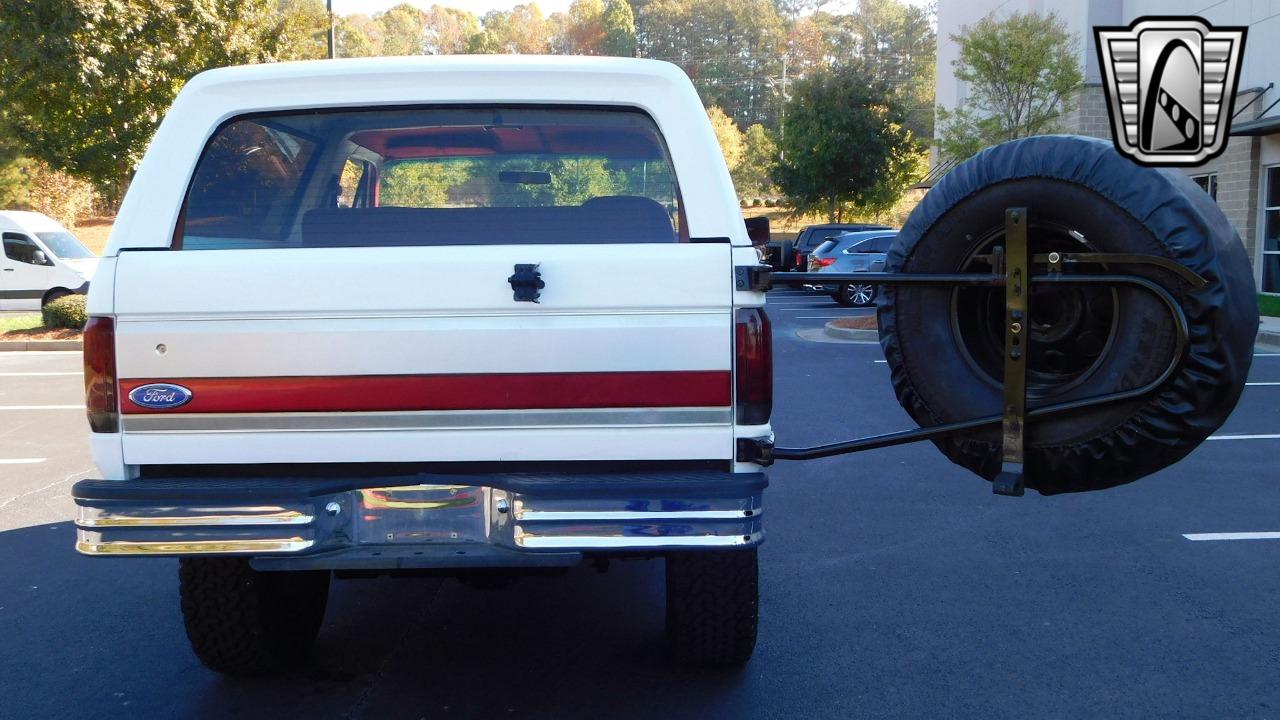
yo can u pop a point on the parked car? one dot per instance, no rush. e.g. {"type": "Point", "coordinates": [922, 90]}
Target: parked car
{"type": "Point", "coordinates": [850, 253]}
{"type": "Point", "coordinates": [812, 236]}
{"type": "Point", "coordinates": [42, 261]}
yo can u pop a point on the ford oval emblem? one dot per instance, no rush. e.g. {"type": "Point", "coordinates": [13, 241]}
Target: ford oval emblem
{"type": "Point", "coordinates": [160, 396]}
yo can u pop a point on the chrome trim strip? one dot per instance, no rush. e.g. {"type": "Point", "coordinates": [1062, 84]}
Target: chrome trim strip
{"type": "Point", "coordinates": [624, 515]}
{"type": "Point", "coordinates": [611, 542]}
{"type": "Point", "coordinates": [275, 516]}
{"type": "Point", "coordinates": [423, 420]}
{"type": "Point", "coordinates": [193, 547]}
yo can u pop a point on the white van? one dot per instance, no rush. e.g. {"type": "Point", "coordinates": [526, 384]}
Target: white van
{"type": "Point", "coordinates": [42, 261]}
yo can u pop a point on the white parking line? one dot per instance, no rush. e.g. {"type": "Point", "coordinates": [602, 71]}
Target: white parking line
{"type": "Point", "coordinates": [1261, 384]}
{"type": "Point", "coordinates": [21, 461]}
{"type": "Point", "coordinates": [38, 374]}
{"type": "Point", "coordinates": [1244, 437]}
{"type": "Point", "coordinates": [41, 407]}
{"type": "Point", "coordinates": [1198, 537]}
{"type": "Point", "coordinates": [823, 317]}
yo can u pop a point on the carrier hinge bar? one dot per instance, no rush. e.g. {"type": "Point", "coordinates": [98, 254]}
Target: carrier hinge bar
{"type": "Point", "coordinates": [1017, 303]}
{"type": "Point", "coordinates": [753, 278]}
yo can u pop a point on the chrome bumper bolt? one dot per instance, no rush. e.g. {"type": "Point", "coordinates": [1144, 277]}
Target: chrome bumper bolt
{"type": "Point", "coordinates": [503, 506]}
{"type": "Point", "coordinates": [332, 509]}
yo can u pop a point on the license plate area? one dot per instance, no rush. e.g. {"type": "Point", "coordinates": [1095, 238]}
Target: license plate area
{"type": "Point", "coordinates": [423, 514]}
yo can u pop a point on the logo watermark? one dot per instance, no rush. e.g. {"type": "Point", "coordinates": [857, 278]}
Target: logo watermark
{"type": "Point", "coordinates": [1171, 87]}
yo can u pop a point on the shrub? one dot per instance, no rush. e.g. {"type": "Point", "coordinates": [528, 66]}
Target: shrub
{"type": "Point", "coordinates": [769, 202]}
{"type": "Point", "coordinates": [65, 312]}
{"type": "Point", "coordinates": [757, 202]}
{"type": "Point", "coordinates": [743, 203]}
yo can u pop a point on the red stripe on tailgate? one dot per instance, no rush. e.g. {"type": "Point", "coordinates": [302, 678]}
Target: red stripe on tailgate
{"type": "Point", "coordinates": [513, 391]}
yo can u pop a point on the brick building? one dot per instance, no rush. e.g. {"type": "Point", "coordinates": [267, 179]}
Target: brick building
{"type": "Point", "coordinates": [1245, 179]}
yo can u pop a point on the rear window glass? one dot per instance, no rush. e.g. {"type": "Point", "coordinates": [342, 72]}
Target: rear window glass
{"type": "Point", "coordinates": [433, 176]}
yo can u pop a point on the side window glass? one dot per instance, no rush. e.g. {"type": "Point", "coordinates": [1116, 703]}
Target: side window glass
{"type": "Point", "coordinates": [21, 248]}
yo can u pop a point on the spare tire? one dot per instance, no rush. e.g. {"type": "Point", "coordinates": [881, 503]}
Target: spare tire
{"type": "Point", "coordinates": [944, 346]}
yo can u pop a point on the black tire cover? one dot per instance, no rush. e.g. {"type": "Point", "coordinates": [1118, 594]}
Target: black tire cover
{"type": "Point", "coordinates": [1186, 226]}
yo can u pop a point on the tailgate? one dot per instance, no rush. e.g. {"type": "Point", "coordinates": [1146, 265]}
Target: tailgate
{"type": "Point", "coordinates": [399, 354]}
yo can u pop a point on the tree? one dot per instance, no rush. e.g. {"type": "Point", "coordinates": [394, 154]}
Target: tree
{"type": "Point", "coordinates": [304, 30]}
{"type": "Point", "coordinates": [845, 143]}
{"type": "Point", "coordinates": [402, 30]}
{"type": "Point", "coordinates": [732, 144]}
{"type": "Point", "coordinates": [892, 41]}
{"type": "Point", "coordinates": [85, 82]}
{"type": "Point", "coordinates": [754, 173]}
{"type": "Point", "coordinates": [358, 36]}
{"type": "Point", "coordinates": [619, 29]}
{"type": "Point", "coordinates": [523, 29]}
{"type": "Point", "coordinates": [731, 49]}
{"type": "Point", "coordinates": [580, 31]}
{"type": "Point", "coordinates": [447, 31]}
{"type": "Point", "coordinates": [1022, 74]}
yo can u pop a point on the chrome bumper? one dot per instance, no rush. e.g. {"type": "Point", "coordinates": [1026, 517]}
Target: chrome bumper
{"type": "Point", "coordinates": [519, 522]}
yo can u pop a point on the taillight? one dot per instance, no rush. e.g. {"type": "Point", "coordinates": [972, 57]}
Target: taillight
{"type": "Point", "coordinates": [799, 260]}
{"type": "Point", "coordinates": [825, 261]}
{"type": "Point", "coordinates": [753, 341]}
{"type": "Point", "coordinates": [100, 375]}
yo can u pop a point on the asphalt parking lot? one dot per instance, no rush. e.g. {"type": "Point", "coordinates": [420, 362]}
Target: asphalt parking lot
{"type": "Point", "coordinates": [893, 585]}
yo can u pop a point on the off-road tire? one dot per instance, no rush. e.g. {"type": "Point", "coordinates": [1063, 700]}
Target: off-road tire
{"type": "Point", "coordinates": [244, 622]}
{"type": "Point", "coordinates": [712, 606]}
{"type": "Point", "coordinates": [1081, 194]}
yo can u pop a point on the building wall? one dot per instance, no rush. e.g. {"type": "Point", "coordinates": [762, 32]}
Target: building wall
{"type": "Point", "coordinates": [1240, 169]}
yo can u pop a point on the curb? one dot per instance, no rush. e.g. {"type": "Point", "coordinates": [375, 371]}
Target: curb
{"type": "Point", "coordinates": [21, 345]}
{"type": "Point", "coordinates": [1270, 339]}
{"type": "Point", "coordinates": [851, 334]}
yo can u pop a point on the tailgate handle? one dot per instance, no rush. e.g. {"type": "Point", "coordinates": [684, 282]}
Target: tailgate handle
{"type": "Point", "coordinates": [526, 282]}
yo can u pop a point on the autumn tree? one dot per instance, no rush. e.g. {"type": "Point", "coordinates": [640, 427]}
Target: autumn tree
{"type": "Point", "coordinates": [447, 31]}
{"type": "Point", "coordinates": [754, 173]}
{"type": "Point", "coordinates": [522, 29]}
{"type": "Point", "coordinates": [84, 83]}
{"type": "Point", "coordinates": [846, 143]}
{"type": "Point", "coordinates": [304, 30]}
{"type": "Point", "coordinates": [1022, 73]}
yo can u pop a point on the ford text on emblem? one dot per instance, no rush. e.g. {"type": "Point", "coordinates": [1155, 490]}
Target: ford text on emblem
{"type": "Point", "coordinates": [160, 396]}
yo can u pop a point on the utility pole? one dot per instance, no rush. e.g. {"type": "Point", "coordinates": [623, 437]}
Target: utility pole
{"type": "Point", "coordinates": [329, 6]}
{"type": "Point", "coordinates": [782, 123]}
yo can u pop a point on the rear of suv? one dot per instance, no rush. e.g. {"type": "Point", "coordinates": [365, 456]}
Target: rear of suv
{"type": "Point", "coordinates": [394, 315]}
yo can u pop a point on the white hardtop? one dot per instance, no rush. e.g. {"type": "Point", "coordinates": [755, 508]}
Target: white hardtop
{"type": "Point", "coordinates": [27, 221]}
{"type": "Point", "coordinates": [150, 208]}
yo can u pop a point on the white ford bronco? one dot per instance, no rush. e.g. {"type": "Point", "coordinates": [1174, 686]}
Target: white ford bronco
{"type": "Point", "coordinates": [394, 314]}
{"type": "Point", "coordinates": [491, 314]}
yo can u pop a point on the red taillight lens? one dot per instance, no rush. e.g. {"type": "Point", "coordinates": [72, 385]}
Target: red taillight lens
{"type": "Point", "coordinates": [799, 260]}
{"type": "Point", "coordinates": [825, 261]}
{"type": "Point", "coordinates": [100, 375]}
{"type": "Point", "coordinates": [753, 340]}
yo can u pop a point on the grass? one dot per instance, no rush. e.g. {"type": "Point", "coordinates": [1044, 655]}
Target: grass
{"type": "Point", "coordinates": [11, 323]}
{"type": "Point", "coordinates": [1269, 305]}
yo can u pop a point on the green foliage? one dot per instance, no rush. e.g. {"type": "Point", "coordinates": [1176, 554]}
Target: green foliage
{"type": "Point", "coordinates": [522, 29]}
{"type": "Point", "coordinates": [85, 82]}
{"type": "Point", "coordinates": [1269, 305]}
{"type": "Point", "coordinates": [1022, 74]}
{"type": "Point", "coordinates": [845, 143]}
{"type": "Point", "coordinates": [731, 49]}
{"type": "Point", "coordinates": [890, 41]}
{"type": "Point", "coordinates": [446, 30]}
{"type": "Point", "coordinates": [304, 30]}
{"type": "Point", "coordinates": [421, 184]}
{"type": "Point", "coordinates": [619, 23]}
{"type": "Point", "coordinates": [759, 156]}
{"type": "Point", "coordinates": [65, 312]}
{"type": "Point", "coordinates": [732, 142]}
